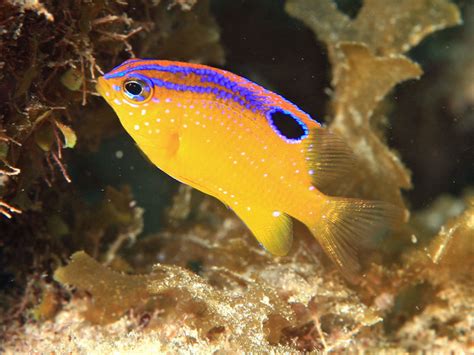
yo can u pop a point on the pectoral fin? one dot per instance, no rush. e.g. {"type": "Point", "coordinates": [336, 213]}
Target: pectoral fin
{"type": "Point", "coordinates": [273, 229]}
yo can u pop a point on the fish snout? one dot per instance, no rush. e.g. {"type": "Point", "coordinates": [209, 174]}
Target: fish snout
{"type": "Point", "coordinates": [103, 88]}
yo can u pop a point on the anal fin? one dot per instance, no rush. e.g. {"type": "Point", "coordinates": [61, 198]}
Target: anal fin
{"type": "Point", "coordinates": [273, 229]}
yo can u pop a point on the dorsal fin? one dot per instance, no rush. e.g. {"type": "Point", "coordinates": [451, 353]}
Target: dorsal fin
{"type": "Point", "coordinates": [328, 157]}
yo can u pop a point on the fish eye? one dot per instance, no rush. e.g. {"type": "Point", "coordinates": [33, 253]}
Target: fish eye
{"type": "Point", "coordinates": [133, 88]}
{"type": "Point", "coordinates": [136, 89]}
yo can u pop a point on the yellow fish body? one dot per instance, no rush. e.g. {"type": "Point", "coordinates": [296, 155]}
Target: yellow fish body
{"type": "Point", "coordinates": [248, 147]}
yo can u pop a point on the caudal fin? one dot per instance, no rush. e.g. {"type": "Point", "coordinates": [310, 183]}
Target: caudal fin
{"type": "Point", "coordinates": [343, 226]}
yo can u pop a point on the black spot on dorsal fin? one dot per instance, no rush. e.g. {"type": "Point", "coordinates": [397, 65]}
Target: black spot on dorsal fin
{"type": "Point", "coordinates": [287, 126]}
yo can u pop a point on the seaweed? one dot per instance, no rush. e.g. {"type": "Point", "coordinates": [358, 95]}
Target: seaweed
{"type": "Point", "coordinates": [241, 296]}
{"type": "Point", "coordinates": [367, 60]}
{"type": "Point", "coordinates": [50, 56]}
{"type": "Point", "coordinates": [202, 283]}
{"type": "Point", "coordinates": [117, 293]}
{"type": "Point", "coordinates": [449, 255]}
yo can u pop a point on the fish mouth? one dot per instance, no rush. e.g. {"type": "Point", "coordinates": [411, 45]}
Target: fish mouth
{"type": "Point", "coordinates": [103, 88]}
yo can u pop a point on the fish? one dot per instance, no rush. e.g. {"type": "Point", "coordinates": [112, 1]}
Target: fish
{"type": "Point", "coordinates": [250, 148]}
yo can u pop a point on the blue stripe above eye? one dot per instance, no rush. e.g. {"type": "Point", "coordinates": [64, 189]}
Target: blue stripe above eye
{"type": "Point", "coordinates": [222, 94]}
{"type": "Point", "coordinates": [242, 91]}
{"type": "Point", "coordinates": [229, 89]}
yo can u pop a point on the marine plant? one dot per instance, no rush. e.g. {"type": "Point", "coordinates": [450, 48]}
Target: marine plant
{"type": "Point", "coordinates": [201, 283]}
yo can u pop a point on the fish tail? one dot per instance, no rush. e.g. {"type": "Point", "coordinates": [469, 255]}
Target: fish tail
{"type": "Point", "coordinates": [343, 226]}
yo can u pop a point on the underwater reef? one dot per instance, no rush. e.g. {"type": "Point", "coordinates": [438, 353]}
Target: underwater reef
{"type": "Point", "coordinates": [101, 252]}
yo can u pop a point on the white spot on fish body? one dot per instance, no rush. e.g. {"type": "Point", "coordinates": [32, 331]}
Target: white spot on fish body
{"type": "Point", "coordinates": [129, 103]}
{"type": "Point", "coordinates": [136, 127]}
{"type": "Point", "coordinates": [118, 102]}
{"type": "Point", "coordinates": [276, 213]}
{"type": "Point", "coordinates": [167, 111]}
{"type": "Point", "coordinates": [147, 123]}
{"type": "Point", "coordinates": [143, 112]}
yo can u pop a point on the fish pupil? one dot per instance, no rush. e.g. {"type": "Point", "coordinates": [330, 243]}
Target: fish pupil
{"type": "Point", "coordinates": [287, 125]}
{"type": "Point", "coordinates": [134, 88]}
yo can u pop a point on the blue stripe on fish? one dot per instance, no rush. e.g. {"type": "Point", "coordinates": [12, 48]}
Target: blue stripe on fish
{"type": "Point", "coordinates": [230, 89]}
{"type": "Point", "coordinates": [241, 95]}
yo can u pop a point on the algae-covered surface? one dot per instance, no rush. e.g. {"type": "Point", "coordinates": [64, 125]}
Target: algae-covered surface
{"type": "Point", "coordinates": [101, 252]}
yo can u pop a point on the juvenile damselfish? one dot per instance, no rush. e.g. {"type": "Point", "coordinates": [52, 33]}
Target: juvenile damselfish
{"type": "Point", "coordinates": [252, 149]}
